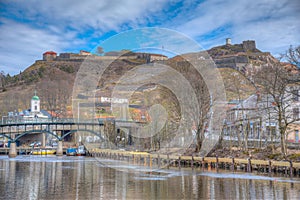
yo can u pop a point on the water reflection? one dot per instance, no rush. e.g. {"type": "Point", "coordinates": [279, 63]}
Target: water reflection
{"type": "Point", "coordinates": [35, 177]}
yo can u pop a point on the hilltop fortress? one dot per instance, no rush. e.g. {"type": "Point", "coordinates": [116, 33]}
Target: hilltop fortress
{"type": "Point", "coordinates": [79, 57]}
{"type": "Point", "coordinates": [242, 57]}
{"type": "Point", "coordinates": [238, 56]}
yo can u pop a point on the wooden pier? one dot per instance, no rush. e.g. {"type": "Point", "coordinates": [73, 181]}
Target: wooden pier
{"type": "Point", "coordinates": [166, 161]}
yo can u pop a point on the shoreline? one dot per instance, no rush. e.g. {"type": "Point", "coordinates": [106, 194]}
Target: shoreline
{"type": "Point", "coordinates": [182, 161]}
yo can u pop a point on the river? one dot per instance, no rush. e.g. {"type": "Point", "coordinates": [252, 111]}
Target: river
{"type": "Point", "coordinates": [53, 177]}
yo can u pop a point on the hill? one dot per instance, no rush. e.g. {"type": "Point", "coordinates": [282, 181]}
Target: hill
{"type": "Point", "coordinates": [53, 79]}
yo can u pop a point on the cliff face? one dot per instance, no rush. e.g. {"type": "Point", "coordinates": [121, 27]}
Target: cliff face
{"type": "Point", "coordinates": [243, 57]}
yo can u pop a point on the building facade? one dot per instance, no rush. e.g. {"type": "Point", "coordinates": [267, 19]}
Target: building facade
{"type": "Point", "coordinates": [49, 55]}
{"type": "Point", "coordinates": [257, 117]}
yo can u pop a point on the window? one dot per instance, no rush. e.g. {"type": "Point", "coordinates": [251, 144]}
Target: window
{"type": "Point", "coordinates": [35, 107]}
{"type": "Point", "coordinates": [296, 113]}
{"type": "Point", "coordinates": [295, 94]}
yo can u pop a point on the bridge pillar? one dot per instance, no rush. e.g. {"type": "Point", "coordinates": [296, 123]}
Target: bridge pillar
{"type": "Point", "coordinates": [43, 140]}
{"type": "Point", "coordinates": [12, 150]}
{"type": "Point", "coordinates": [59, 150]}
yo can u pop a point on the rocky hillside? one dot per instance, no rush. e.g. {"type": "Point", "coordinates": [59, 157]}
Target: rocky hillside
{"type": "Point", "coordinates": [53, 80]}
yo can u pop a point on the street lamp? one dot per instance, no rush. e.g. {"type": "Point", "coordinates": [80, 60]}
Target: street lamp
{"type": "Point", "coordinates": [78, 111]}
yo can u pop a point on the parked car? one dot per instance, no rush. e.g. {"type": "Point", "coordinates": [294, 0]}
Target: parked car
{"type": "Point", "coordinates": [35, 144]}
{"type": "Point", "coordinates": [54, 144]}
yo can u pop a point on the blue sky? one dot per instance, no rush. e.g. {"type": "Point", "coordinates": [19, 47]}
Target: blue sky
{"type": "Point", "coordinates": [30, 27]}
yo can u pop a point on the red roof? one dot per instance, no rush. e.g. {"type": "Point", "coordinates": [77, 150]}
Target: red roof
{"type": "Point", "coordinates": [50, 53]}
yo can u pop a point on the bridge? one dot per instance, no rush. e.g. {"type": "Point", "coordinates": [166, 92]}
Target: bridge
{"type": "Point", "coordinates": [59, 129]}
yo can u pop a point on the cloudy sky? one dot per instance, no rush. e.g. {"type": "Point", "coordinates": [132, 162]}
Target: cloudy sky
{"type": "Point", "coordinates": [30, 27]}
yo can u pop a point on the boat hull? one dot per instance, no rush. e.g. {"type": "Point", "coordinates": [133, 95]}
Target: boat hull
{"type": "Point", "coordinates": [43, 152]}
{"type": "Point", "coordinates": [71, 152]}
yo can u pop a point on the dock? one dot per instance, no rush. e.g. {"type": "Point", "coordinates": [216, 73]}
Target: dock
{"type": "Point", "coordinates": [167, 160]}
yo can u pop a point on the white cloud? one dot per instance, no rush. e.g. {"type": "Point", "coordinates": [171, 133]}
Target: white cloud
{"type": "Point", "coordinates": [38, 26]}
{"type": "Point", "coordinates": [275, 36]}
{"type": "Point", "coordinates": [28, 28]}
{"type": "Point", "coordinates": [273, 24]}
{"type": "Point", "coordinates": [99, 15]}
{"type": "Point", "coordinates": [21, 45]}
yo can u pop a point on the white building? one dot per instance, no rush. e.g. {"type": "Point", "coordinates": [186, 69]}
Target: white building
{"type": "Point", "coordinates": [35, 109]}
{"type": "Point", "coordinates": [35, 104]}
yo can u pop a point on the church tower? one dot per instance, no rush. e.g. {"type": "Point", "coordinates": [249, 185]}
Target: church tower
{"type": "Point", "coordinates": [35, 104]}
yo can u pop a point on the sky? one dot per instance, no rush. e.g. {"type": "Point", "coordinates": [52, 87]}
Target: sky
{"type": "Point", "coordinates": [28, 28]}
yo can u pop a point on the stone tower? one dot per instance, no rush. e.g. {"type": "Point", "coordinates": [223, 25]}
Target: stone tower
{"type": "Point", "coordinates": [249, 45]}
{"type": "Point", "coordinates": [228, 41]}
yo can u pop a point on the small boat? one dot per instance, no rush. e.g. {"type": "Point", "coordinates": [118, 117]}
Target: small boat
{"type": "Point", "coordinates": [43, 152]}
{"type": "Point", "coordinates": [80, 151]}
{"type": "Point", "coordinates": [71, 151]}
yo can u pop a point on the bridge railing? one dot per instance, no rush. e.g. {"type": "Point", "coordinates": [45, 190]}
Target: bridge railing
{"type": "Point", "coordinates": [10, 121]}
{"type": "Point", "coordinates": [46, 120]}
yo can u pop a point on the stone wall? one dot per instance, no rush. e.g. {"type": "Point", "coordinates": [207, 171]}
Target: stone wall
{"type": "Point", "coordinates": [249, 45]}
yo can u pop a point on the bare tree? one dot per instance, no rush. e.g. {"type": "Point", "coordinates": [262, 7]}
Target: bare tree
{"type": "Point", "coordinates": [293, 55]}
{"type": "Point", "coordinates": [100, 50]}
{"type": "Point", "coordinates": [277, 85]}
{"type": "Point", "coordinates": [237, 89]}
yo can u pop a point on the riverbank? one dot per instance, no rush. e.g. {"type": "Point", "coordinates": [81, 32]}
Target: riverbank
{"type": "Point", "coordinates": [156, 160]}
{"type": "Point", "coordinates": [256, 153]}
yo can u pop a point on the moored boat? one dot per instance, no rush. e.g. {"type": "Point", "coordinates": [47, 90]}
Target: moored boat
{"type": "Point", "coordinates": [71, 151]}
{"type": "Point", "coordinates": [80, 151]}
{"type": "Point", "coordinates": [43, 152]}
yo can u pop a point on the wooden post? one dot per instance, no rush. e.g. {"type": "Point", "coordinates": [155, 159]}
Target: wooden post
{"type": "Point", "coordinates": [168, 160]}
{"type": "Point", "coordinates": [179, 164]}
{"type": "Point", "coordinates": [249, 167]}
{"type": "Point", "coordinates": [270, 166]}
{"type": "Point", "coordinates": [203, 163]}
{"type": "Point", "coordinates": [291, 168]}
{"type": "Point", "coordinates": [158, 161]}
{"type": "Point", "coordinates": [232, 164]}
{"type": "Point", "coordinates": [217, 162]}
{"type": "Point", "coordinates": [192, 162]}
